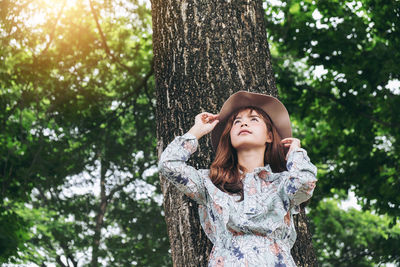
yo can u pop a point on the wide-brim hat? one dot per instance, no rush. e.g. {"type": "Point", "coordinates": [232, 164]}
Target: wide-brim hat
{"type": "Point", "coordinates": [271, 105]}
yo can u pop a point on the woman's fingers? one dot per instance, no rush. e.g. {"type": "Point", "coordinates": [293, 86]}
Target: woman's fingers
{"type": "Point", "coordinates": [208, 117]}
{"type": "Point", "coordinates": [288, 139]}
{"type": "Point", "coordinates": [208, 114]}
{"type": "Point", "coordinates": [288, 142]}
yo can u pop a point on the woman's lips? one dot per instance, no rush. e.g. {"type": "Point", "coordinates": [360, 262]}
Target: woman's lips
{"type": "Point", "coordinates": [244, 131]}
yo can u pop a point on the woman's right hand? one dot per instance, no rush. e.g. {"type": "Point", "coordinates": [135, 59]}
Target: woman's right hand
{"type": "Point", "coordinates": [203, 124]}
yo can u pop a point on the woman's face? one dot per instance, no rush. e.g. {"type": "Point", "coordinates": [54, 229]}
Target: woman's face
{"type": "Point", "coordinates": [249, 131]}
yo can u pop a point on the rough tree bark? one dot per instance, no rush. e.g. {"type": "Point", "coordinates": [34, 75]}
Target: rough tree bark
{"type": "Point", "coordinates": [204, 51]}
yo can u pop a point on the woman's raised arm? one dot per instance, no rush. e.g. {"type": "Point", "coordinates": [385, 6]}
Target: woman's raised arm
{"type": "Point", "coordinates": [300, 179]}
{"type": "Point", "coordinates": [172, 163]}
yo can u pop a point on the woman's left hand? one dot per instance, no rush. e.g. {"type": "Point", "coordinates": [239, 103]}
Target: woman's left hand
{"type": "Point", "coordinates": [292, 143]}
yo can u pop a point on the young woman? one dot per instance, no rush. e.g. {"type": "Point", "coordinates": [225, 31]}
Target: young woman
{"type": "Point", "coordinates": [255, 184]}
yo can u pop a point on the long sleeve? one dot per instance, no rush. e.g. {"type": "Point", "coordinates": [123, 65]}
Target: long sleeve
{"type": "Point", "coordinates": [172, 165]}
{"type": "Point", "coordinates": [300, 179]}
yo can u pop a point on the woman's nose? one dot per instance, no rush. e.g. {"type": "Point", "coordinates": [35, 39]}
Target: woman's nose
{"type": "Point", "coordinates": [243, 123]}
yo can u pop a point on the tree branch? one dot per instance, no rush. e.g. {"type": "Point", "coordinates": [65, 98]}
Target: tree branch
{"type": "Point", "coordinates": [121, 110]}
{"type": "Point", "coordinates": [118, 188]}
{"type": "Point", "coordinates": [104, 42]}
{"type": "Point", "coordinates": [51, 34]}
{"type": "Point", "coordinates": [54, 29]}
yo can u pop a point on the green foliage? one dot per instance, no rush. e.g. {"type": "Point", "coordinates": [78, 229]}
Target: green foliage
{"type": "Point", "coordinates": [78, 131]}
{"type": "Point", "coordinates": [353, 238]}
{"type": "Point", "coordinates": [142, 231]}
{"type": "Point", "coordinates": [345, 115]}
{"type": "Point", "coordinates": [14, 232]}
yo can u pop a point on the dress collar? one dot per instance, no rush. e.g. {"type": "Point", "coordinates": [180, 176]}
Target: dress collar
{"type": "Point", "coordinates": [262, 172]}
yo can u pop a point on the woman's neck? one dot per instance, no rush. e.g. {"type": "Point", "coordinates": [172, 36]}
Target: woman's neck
{"type": "Point", "coordinates": [251, 159]}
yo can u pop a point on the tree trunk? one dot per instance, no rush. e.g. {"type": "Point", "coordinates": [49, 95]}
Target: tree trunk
{"type": "Point", "coordinates": [204, 52]}
{"type": "Point", "coordinates": [303, 251]}
{"type": "Point", "coordinates": [100, 216]}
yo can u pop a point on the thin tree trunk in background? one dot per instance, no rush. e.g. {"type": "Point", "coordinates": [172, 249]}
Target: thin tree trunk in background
{"type": "Point", "coordinates": [100, 216]}
{"type": "Point", "coordinates": [204, 51]}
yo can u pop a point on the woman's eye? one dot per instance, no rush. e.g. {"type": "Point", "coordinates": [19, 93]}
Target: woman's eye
{"type": "Point", "coordinates": [235, 122]}
{"type": "Point", "coordinates": [254, 119]}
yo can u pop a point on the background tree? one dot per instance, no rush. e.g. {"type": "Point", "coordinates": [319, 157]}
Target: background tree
{"type": "Point", "coordinates": [355, 47]}
{"type": "Point", "coordinates": [204, 53]}
{"type": "Point", "coordinates": [353, 238]}
{"type": "Point", "coordinates": [77, 135]}
{"type": "Point", "coordinates": [336, 72]}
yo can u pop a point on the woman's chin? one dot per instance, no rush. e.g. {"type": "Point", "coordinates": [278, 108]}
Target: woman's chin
{"type": "Point", "coordinates": [249, 146]}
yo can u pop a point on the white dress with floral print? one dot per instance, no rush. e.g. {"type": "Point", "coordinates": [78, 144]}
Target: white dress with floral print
{"type": "Point", "coordinates": [257, 231]}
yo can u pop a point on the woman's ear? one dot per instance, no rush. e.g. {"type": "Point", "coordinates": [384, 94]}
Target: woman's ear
{"type": "Point", "coordinates": [269, 137]}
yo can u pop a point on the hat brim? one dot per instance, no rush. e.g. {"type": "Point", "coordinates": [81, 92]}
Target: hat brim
{"type": "Point", "coordinates": [271, 105]}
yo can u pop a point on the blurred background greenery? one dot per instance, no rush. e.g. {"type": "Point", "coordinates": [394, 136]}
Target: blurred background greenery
{"type": "Point", "coordinates": [77, 137]}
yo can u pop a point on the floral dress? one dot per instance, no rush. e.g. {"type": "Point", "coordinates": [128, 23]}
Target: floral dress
{"type": "Point", "coordinates": [257, 231]}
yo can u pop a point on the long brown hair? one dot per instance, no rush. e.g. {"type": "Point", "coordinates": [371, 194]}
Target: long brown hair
{"type": "Point", "coordinates": [224, 171]}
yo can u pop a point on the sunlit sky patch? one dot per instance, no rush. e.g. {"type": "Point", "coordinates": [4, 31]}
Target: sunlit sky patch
{"type": "Point", "coordinates": [393, 86]}
{"type": "Point", "coordinates": [47, 7]}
